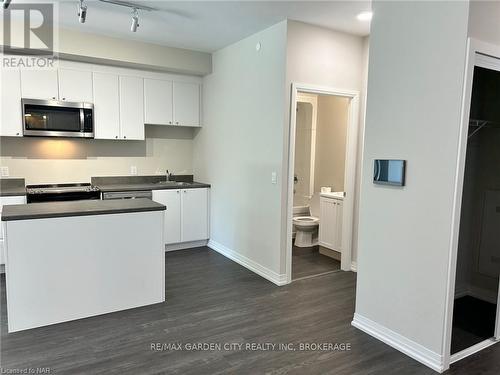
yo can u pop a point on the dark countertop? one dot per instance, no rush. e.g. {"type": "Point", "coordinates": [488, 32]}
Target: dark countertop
{"type": "Point", "coordinates": [151, 186]}
{"type": "Point", "coordinates": [143, 183]}
{"type": "Point", "coordinates": [10, 187]}
{"type": "Point", "coordinates": [78, 208]}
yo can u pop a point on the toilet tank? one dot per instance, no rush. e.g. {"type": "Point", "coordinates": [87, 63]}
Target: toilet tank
{"type": "Point", "coordinates": [314, 205]}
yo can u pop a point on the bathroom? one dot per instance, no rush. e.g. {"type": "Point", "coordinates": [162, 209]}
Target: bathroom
{"type": "Point", "coordinates": [319, 175]}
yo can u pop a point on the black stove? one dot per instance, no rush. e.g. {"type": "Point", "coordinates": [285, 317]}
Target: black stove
{"type": "Point", "coordinates": [61, 192]}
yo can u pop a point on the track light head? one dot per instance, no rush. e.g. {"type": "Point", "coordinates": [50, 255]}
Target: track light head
{"type": "Point", "coordinates": [82, 12]}
{"type": "Point", "coordinates": [6, 4]}
{"type": "Point", "coordinates": [135, 21]}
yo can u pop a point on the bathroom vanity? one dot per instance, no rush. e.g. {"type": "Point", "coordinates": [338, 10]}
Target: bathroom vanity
{"type": "Point", "coordinates": [330, 230]}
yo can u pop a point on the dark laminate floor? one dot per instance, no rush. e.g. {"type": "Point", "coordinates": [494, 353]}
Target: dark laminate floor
{"type": "Point", "coordinates": [212, 299]}
{"type": "Point", "coordinates": [473, 322]}
{"type": "Point", "coordinates": [307, 261]}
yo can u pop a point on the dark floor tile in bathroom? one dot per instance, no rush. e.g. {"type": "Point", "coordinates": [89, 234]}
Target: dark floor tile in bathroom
{"type": "Point", "coordinates": [473, 322]}
{"type": "Point", "coordinates": [307, 261]}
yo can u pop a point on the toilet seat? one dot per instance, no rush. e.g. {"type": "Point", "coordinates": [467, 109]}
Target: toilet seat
{"type": "Point", "coordinates": [306, 221]}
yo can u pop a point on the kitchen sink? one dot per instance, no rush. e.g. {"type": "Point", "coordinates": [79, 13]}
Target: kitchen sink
{"type": "Point", "coordinates": [174, 183]}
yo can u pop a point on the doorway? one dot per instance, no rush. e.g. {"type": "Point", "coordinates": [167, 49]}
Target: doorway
{"type": "Point", "coordinates": [321, 185]}
{"type": "Point", "coordinates": [475, 310]}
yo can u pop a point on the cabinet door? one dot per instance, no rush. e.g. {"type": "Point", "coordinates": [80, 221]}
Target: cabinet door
{"type": "Point", "coordinates": [106, 106]}
{"type": "Point", "coordinates": [11, 123]}
{"type": "Point", "coordinates": [5, 201]}
{"type": "Point", "coordinates": [194, 216]}
{"type": "Point", "coordinates": [75, 85]}
{"type": "Point", "coordinates": [172, 222]}
{"type": "Point", "coordinates": [158, 102]}
{"type": "Point", "coordinates": [131, 108]}
{"type": "Point", "coordinates": [338, 226]}
{"type": "Point", "coordinates": [327, 222]}
{"type": "Point", "coordinates": [39, 84]}
{"type": "Point", "coordinates": [186, 104]}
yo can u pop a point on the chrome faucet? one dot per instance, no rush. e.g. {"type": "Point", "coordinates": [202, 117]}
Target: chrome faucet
{"type": "Point", "coordinates": [169, 175]}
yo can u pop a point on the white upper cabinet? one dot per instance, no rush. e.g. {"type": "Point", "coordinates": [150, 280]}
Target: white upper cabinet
{"type": "Point", "coordinates": [186, 103]}
{"type": "Point", "coordinates": [124, 99]}
{"type": "Point", "coordinates": [106, 106]}
{"type": "Point", "coordinates": [132, 108]}
{"type": "Point", "coordinates": [11, 117]}
{"type": "Point", "coordinates": [75, 85]}
{"type": "Point", "coordinates": [158, 102]}
{"type": "Point", "coordinates": [39, 84]}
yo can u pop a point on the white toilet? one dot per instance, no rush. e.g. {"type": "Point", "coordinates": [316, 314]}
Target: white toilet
{"type": "Point", "coordinates": [307, 226]}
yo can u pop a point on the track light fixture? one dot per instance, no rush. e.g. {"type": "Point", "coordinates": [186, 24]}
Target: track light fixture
{"type": "Point", "coordinates": [6, 4]}
{"type": "Point", "coordinates": [135, 6]}
{"type": "Point", "coordinates": [135, 20]}
{"type": "Point", "coordinates": [82, 12]}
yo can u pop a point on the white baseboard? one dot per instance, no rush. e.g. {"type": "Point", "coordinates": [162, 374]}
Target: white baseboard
{"type": "Point", "coordinates": [461, 291]}
{"type": "Point", "coordinates": [483, 294]}
{"type": "Point", "coordinates": [399, 342]}
{"type": "Point", "coordinates": [479, 293]}
{"type": "Point", "coordinates": [248, 263]}
{"type": "Point", "coordinates": [472, 350]}
{"type": "Point", "coordinates": [185, 245]}
{"type": "Point", "coordinates": [354, 266]}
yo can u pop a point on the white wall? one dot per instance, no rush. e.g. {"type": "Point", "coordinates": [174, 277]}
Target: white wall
{"type": "Point", "coordinates": [241, 144]}
{"type": "Point", "coordinates": [88, 47]}
{"type": "Point", "coordinates": [484, 21]}
{"type": "Point", "coordinates": [58, 160]}
{"type": "Point", "coordinates": [319, 56]}
{"type": "Point", "coordinates": [416, 74]}
{"type": "Point", "coordinates": [331, 136]}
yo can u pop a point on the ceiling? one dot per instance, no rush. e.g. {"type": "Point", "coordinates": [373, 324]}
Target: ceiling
{"type": "Point", "coordinates": [208, 26]}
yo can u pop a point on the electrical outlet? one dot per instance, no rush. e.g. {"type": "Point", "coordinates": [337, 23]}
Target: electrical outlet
{"type": "Point", "coordinates": [133, 170]}
{"type": "Point", "coordinates": [4, 171]}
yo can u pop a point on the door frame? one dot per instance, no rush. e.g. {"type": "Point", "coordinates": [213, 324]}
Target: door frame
{"type": "Point", "coordinates": [349, 174]}
{"type": "Point", "coordinates": [474, 48]}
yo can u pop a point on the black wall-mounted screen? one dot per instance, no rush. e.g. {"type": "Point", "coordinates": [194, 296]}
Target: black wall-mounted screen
{"type": "Point", "coordinates": [389, 172]}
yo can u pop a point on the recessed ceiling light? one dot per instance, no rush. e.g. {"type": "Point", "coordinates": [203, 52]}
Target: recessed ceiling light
{"type": "Point", "coordinates": [365, 16]}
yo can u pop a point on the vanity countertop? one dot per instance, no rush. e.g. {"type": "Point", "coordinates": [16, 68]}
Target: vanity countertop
{"type": "Point", "coordinates": [333, 195]}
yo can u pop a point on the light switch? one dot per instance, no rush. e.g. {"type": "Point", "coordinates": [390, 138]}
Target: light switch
{"type": "Point", "coordinates": [133, 170]}
{"type": "Point", "coordinates": [274, 178]}
{"type": "Point", "coordinates": [5, 171]}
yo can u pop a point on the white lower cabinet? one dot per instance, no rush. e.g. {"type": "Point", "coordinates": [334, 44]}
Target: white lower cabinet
{"type": "Point", "coordinates": [330, 223]}
{"type": "Point", "coordinates": [172, 223]}
{"type": "Point", "coordinates": [5, 201]}
{"type": "Point", "coordinates": [186, 216]}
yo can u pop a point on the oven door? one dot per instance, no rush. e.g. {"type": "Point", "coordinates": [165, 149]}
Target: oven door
{"type": "Point", "coordinates": [52, 118]}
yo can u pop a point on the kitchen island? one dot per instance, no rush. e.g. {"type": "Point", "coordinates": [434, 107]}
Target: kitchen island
{"type": "Point", "coordinates": [72, 260]}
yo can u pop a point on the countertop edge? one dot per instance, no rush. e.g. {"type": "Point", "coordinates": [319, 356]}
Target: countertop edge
{"type": "Point", "coordinates": [147, 187]}
{"type": "Point", "coordinates": [20, 193]}
{"type": "Point", "coordinates": [82, 213]}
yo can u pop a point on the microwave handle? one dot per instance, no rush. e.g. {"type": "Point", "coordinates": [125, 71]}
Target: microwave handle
{"type": "Point", "coordinates": [82, 120]}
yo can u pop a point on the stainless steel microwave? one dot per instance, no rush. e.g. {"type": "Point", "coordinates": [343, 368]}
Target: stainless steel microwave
{"type": "Point", "coordinates": [52, 118]}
